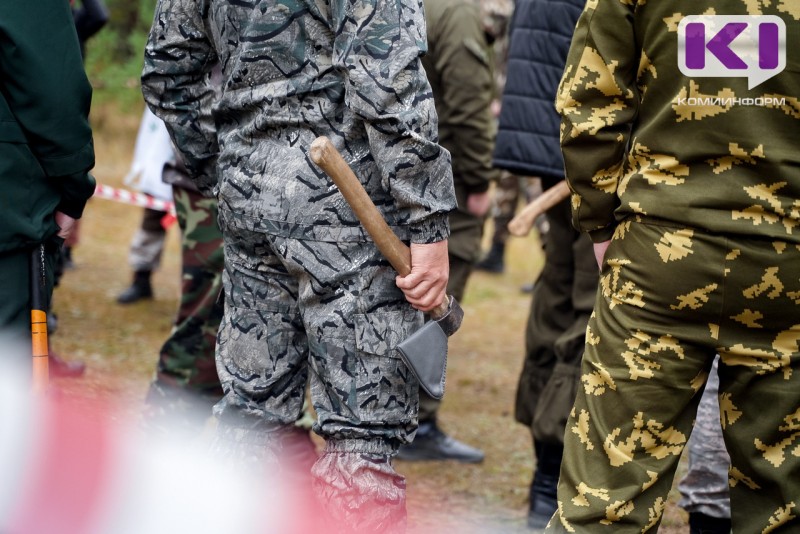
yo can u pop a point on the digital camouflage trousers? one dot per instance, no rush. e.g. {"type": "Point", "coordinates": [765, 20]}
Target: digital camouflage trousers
{"type": "Point", "coordinates": [669, 300]}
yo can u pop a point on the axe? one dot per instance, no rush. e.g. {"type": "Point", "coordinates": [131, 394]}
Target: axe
{"type": "Point", "coordinates": [521, 225]}
{"type": "Point", "coordinates": [425, 351]}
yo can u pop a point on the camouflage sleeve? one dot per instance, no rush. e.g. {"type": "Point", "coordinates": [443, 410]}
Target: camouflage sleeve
{"type": "Point", "coordinates": [597, 101]}
{"type": "Point", "coordinates": [464, 68]}
{"type": "Point", "coordinates": [378, 46]}
{"type": "Point", "coordinates": [178, 62]}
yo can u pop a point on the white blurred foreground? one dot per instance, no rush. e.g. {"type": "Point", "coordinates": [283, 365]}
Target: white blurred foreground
{"type": "Point", "coordinates": [72, 466]}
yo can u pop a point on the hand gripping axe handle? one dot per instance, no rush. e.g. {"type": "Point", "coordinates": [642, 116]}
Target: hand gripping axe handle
{"type": "Point", "coordinates": [425, 351]}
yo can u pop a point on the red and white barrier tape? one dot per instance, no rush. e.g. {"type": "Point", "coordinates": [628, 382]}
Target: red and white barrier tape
{"type": "Point", "coordinates": [133, 198]}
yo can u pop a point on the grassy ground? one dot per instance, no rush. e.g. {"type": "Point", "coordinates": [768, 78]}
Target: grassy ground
{"type": "Point", "coordinates": [120, 344]}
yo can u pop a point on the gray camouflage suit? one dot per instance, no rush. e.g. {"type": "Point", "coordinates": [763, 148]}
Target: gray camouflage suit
{"type": "Point", "coordinates": [308, 296]}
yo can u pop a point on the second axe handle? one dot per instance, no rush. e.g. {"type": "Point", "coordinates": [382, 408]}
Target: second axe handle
{"type": "Point", "coordinates": [324, 154]}
{"type": "Point", "coordinates": [521, 225]}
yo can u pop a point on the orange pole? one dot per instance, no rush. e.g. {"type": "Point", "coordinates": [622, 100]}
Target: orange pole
{"type": "Point", "coordinates": [41, 369]}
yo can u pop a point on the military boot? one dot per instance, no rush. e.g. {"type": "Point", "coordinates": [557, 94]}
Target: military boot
{"type": "Point", "coordinates": [431, 443]}
{"type": "Point", "coordinates": [138, 290]}
{"type": "Point", "coordinates": [542, 497]}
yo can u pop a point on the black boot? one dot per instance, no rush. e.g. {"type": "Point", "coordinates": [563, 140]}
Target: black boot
{"type": "Point", "coordinates": [700, 523]}
{"type": "Point", "coordinates": [139, 289]}
{"type": "Point", "coordinates": [493, 262]}
{"type": "Point", "coordinates": [542, 497]}
{"type": "Point", "coordinates": [544, 487]}
{"type": "Point", "coordinates": [431, 443]}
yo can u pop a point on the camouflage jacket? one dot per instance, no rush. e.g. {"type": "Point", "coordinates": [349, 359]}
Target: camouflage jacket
{"type": "Point", "coordinates": [293, 70]}
{"type": "Point", "coordinates": [642, 139]}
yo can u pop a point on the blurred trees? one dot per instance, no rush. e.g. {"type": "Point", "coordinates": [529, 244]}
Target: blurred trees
{"type": "Point", "coordinates": [114, 56]}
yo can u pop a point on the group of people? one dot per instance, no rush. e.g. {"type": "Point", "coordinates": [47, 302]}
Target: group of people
{"type": "Point", "coordinates": [672, 269]}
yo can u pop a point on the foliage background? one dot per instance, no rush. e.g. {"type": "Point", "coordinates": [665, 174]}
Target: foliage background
{"type": "Point", "coordinates": [114, 57]}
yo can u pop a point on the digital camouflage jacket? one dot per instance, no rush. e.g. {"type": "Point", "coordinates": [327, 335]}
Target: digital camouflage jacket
{"type": "Point", "coordinates": [294, 70]}
{"type": "Point", "coordinates": [642, 139]}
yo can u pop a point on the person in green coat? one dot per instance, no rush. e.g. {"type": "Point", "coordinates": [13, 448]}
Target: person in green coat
{"type": "Point", "coordinates": [46, 147]}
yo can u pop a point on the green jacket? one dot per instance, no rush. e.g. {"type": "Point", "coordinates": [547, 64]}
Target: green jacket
{"type": "Point", "coordinates": [641, 139]}
{"type": "Point", "coordinates": [459, 68]}
{"type": "Point", "coordinates": [45, 140]}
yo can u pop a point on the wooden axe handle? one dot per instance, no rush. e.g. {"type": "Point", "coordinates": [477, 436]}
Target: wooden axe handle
{"type": "Point", "coordinates": [523, 222]}
{"type": "Point", "coordinates": [324, 154]}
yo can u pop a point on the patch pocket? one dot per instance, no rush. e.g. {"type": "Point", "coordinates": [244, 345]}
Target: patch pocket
{"type": "Point", "coordinates": [386, 391]}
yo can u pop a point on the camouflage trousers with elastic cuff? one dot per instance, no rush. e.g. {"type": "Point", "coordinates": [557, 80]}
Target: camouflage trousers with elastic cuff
{"type": "Point", "coordinates": [669, 300]}
{"type": "Point", "coordinates": [186, 359]}
{"type": "Point", "coordinates": [327, 313]}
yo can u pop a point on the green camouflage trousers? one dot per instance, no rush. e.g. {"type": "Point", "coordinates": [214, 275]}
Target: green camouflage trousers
{"type": "Point", "coordinates": [669, 300]}
{"type": "Point", "coordinates": [186, 360]}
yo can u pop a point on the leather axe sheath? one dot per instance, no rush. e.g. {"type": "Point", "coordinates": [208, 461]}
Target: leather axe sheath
{"type": "Point", "coordinates": [425, 351]}
{"type": "Point", "coordinates": [522, 223]}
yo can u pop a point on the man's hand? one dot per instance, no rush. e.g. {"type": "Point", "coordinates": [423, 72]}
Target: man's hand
{"type": "Point", "coordinates": [600, 252]}
{"type": "Point", "coordinates": [478, 204]}
{"type": "Point", "coordinates": [424, 287]}
{"type": "Point", "coordinates": [65, 223]}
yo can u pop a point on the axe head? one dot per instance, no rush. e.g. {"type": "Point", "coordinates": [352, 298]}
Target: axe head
{"type": "Point", "coordinates": [425, 351]}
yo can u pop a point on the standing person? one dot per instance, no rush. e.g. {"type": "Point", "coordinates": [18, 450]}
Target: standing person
{"type": "Point", "coordinates": [153, 157]}
{"type": "Point", "coordinates": [459, 67]}
{"type": "Point", "coordinates": [186, 382]}
{"type": "Point", "coordinates": [89, 19]}
{"type": "Point", "coordinates": [527, 145]}
{"type": "Point", "coordinates": [307, 294]}
{"type": "Point", "coordinates": [46, 145]}
{"type": "Point", "coordinates": [691, 202]}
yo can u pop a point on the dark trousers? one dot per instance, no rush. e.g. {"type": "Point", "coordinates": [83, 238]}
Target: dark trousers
{"type": "Point", "coordinates": [562, 302]}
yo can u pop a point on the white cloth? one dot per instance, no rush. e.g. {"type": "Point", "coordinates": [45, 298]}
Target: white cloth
{"type": "Point", "coordinates": [152, 152]}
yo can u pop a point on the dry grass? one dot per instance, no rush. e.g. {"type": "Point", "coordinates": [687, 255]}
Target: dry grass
{"type": "Point", "coordinates": [120, 345]}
